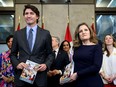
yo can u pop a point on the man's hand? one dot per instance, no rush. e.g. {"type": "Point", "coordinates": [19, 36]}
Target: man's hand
{"type": "Point", "coordinates": [55, 72]}
{"type": "Point", "coordinates": [41, 67]}
{"type": "Point", "coordinates": [49, 73]}
{"type": "Point", "coordinates": [22, 65]}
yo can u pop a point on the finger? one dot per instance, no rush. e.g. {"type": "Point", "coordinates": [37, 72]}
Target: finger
{"type": "Point", "coordinates": [25, 65]}
{"type": "Point", "coordinates": [39, 68]}
{"type": "Point", "coordinates": [71, 80]}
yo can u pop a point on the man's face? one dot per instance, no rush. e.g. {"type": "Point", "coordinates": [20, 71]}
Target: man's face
{"type": "Point", "coordinates": [54, 42]}
{"type": "Point", "coordinates": [30, 17]}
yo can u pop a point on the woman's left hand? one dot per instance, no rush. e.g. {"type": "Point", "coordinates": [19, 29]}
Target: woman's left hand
{"type": "Point", "coordinates": [6, 79]}
{"type": "Point", "coordinates": [73, 77]}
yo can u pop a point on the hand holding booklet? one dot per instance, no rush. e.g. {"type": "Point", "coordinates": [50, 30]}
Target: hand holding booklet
{"type": "Point", "coordinates": [28, 74]}
{"type": "Point", "coordinates": [69, 69]}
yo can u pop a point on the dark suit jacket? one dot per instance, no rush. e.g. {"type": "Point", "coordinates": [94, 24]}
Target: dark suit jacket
{"type": "Point", "coordinates": [41, 53]}
{"type": "Point", "coordinates": [59, 63]}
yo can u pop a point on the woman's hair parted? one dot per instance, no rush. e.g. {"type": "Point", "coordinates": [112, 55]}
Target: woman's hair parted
{"type": "Point", "coordinates": [8, 38]}
{"type": "Point", "coordinates": [105, 47]}
{"type": "Point", "coordinates": [77, 41]}
{"type": "Point", "coordinates": [61, 46]}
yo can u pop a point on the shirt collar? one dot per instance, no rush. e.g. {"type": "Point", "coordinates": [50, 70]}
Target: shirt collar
{"type": "Point", "coordinates": [56, 50]}
{"type": "Point", "coordinates": [34, 28]}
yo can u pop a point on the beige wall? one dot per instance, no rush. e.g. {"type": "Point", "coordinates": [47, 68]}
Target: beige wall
{"type": "Point", "coordinates": [55, 17]}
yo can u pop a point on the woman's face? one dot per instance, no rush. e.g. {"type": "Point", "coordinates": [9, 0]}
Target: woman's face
{"type": "Point", "coordinates": [109, 40]}
{"type": "Point", "coordinates": [9, 43]}
{"type": "Point", "coordinates": [66, 46]}
{"type": "Point", "coordinates": [84, 33]}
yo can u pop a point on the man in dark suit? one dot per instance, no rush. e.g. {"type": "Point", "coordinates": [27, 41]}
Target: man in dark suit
{"type": "Point", "coordinates": [58, 66]}
{"type": "Point", "coordinates": [32, 43]}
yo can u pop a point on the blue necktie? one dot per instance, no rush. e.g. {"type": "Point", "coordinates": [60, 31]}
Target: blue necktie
{"type": "Point", "coordinates": [30, 38]}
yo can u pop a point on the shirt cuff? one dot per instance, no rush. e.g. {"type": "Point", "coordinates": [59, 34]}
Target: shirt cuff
{"type": "Point", "coordinates": [60, 72]}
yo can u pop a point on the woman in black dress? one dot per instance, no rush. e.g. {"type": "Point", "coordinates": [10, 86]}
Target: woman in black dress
{"type": "Point", "coordinates": [87, 57]}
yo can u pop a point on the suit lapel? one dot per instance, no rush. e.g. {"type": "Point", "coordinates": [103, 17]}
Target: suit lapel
{"type": "Point", "coordinates": [25, 42]}
{"type": "Point", "coordinates": [58, 55]}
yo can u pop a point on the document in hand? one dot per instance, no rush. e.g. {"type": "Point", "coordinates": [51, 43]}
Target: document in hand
{"type": "Point", "coordinates": [28, 74]}
{"type": "Point", "coordinates": [69, 69]}
{"type": "Point", "coordinates": [114, 81]}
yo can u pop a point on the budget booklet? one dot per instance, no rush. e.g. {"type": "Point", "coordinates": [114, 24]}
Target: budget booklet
{"type": "Point", "coordinates": [28, 74]}
{"type": "Point", "coordinates": [69, 69]}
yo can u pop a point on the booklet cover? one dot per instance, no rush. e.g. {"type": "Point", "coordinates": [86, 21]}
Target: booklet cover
{"type": "Point", "coordinates": [114, 81]}
{"type": "Point", "coordinates": [28, 74]}
{"type": "Point", "coordinates": [69, 69]}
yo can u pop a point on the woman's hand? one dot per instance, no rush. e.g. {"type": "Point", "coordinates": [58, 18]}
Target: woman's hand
{"type": "Point", "coordinates": [6, 79]}
{"type": "Point", "coordinates": [73, 77]}
{"type": "Point", "coordinates": [108, 78]}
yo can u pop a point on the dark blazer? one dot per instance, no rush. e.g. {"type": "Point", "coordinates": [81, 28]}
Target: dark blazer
{"type": "Point", "coordinates": [41, 53]}
{"type": "Point", "coordinates": [59, 63]}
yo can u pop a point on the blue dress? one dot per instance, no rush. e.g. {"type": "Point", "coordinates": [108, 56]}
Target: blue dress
{"type": "Point", "coordinates": [88, 61]}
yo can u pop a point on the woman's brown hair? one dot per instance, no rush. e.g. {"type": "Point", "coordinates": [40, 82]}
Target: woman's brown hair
{"type": "Point", "coordinates": [77, 41]}
{"type": "Point", "coordinates": [105, 47]}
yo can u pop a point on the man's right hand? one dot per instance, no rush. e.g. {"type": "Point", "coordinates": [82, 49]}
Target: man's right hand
{"type": "Point", "coordinates": [49, 73]}
{"type": "Point", "coordinates": [22, 65]}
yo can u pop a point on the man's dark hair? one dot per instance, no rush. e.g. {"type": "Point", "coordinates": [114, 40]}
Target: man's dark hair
{"type": "Point", "coordinates": [33, 8]}
{"type": "Point", "coordinates": [8, 38]}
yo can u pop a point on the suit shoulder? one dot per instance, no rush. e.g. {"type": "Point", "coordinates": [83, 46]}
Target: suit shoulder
{"type": "Point", "coordinates": [21, 30]}
{"type": "Point", "coordinates": [44, 31]}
